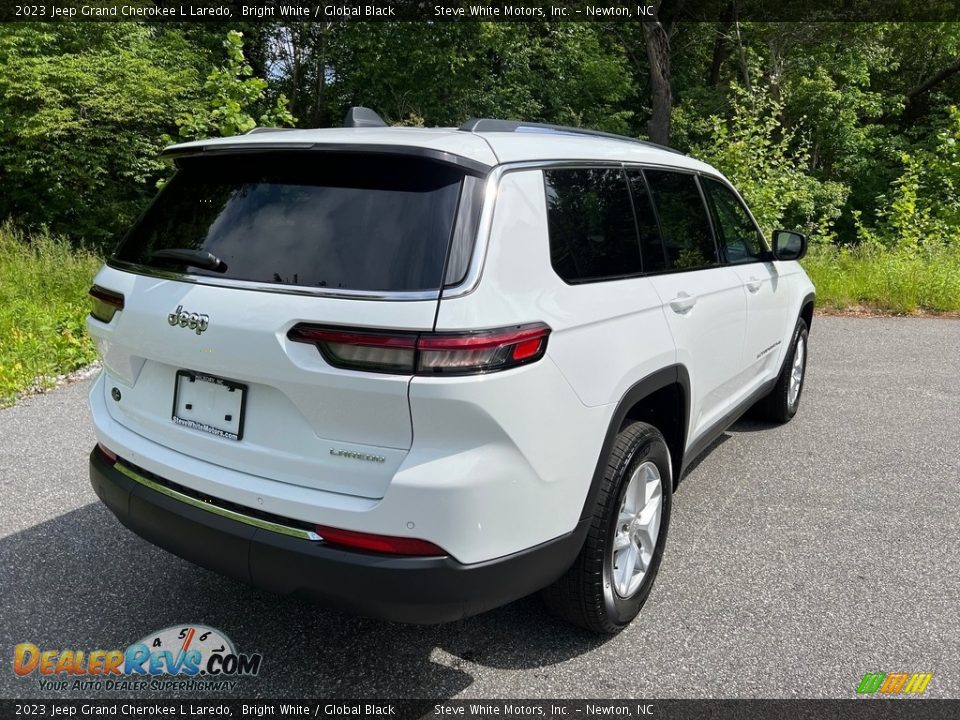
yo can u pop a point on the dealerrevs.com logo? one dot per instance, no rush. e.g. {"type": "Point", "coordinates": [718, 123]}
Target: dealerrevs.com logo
{"type": "Point", "coordinates": [894, 683]}
{"type": "Point", "coordinates": [181, 657]}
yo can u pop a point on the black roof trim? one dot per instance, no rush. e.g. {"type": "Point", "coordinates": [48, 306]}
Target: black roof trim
{"type": "Point", "coordinates": [478, 125]}
{"type": "Point", "coordinates": [470, 166]}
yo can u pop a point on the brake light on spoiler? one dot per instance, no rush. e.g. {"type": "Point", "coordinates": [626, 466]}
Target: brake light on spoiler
{"type": "Point", "coordinates": [426, 353]}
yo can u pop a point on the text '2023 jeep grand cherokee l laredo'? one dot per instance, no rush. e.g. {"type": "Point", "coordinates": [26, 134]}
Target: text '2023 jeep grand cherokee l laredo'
{"type": "Point", "coordinates": [419, 373]}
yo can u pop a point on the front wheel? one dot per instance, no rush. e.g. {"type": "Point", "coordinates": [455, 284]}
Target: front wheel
{"type": "Point", "coordinates": [784, 400]}
{"type": "Point", "coordinates": [614, 572]}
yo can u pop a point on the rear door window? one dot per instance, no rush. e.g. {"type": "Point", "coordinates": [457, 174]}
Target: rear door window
{"type": "Point", "coordinates": [347, 221]}
{"type": "Point", "coordinates": [684, 224]}
{"type": "Point", "coordinates": [590, 219]}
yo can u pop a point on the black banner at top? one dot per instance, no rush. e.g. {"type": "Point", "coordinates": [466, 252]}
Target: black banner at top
{"type": "Point", "coordinates": [481, 10]}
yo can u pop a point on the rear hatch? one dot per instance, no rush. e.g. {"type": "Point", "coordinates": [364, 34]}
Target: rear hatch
{"type": "Point", "coordinates": [235, 251]}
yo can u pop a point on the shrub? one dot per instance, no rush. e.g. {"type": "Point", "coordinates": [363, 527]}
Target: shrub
{"type": "Point", "coordinates": [766, 162]}
{"type": "Point", "coordinates": [43, 306]}
{"type": "Point", "coordinates": [922, 208]}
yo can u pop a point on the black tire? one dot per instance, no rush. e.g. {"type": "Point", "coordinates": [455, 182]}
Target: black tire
{"type": "Point", "coordinates": [586, 594]}
{"type": "Point", "coordinates": [777, 405]}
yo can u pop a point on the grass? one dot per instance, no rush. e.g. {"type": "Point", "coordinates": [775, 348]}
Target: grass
{"type": "Point", "coordinates": [43, 304]}
{"type": "Point", "coordinates": [900, 281]}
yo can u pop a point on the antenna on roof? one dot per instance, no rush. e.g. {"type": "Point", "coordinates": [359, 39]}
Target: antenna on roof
{"type": "Point", "coordinates": [358, 116]}
{"type": "Point", "coordinates": [257, 130]}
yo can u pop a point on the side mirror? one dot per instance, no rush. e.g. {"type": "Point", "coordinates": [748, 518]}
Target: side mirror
{"type": "Point", "coordinates": [789, 245]}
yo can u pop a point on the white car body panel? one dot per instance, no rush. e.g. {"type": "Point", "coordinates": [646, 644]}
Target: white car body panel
{"type": "Point", "coordinates": [482, 465]}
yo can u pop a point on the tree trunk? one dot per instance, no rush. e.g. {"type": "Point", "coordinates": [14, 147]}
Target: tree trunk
{"type": "Point", "coordinates": [915, 95]}
{"type": "Point", "coordinates": [742, 55]}
{"type": "Point", "coordinates": [658, 57]}
{"type": "Point", "coordinates": [721, 46]}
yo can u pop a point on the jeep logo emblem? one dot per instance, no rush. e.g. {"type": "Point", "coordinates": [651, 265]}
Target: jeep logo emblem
{"type": "Point", "coordinates": [194, 321]}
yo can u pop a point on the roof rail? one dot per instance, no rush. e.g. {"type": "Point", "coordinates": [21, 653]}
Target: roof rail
{"type": "Point", "coordinates": [258, 130]}
{"type": "Point", "coordinates": [519, 126]}
{"type": "Point", "coordinates": [359, 116]}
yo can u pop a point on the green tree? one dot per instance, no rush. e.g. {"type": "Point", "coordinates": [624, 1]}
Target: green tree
{"type": "Point", "coordinates": [767, 162]}
{"type": "Point", "coordinates": [84, 108]}
{"type": "Point", "coordinates": [232, 95]}
{"type": "Point", "coordinates": [445, 73]}
{"type": "Point", "coordinates": [922, 207]}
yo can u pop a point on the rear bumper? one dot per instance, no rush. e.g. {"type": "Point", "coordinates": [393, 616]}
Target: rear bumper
{"type": "Point", "coordinates": [402, 589]}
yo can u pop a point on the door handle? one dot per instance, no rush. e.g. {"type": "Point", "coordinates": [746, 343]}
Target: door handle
{"type": "Point", "coordinates": [753, 285]}
{"type": "Point", "coordinates": [683, 303]}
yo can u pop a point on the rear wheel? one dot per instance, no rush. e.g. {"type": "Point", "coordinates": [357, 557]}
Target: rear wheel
{"type": "Point", "coordinates": [614, 572]}
{"type": "Point", "coordinates": [784, 400]}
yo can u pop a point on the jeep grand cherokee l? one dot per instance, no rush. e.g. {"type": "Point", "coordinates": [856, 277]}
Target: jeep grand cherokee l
{"type": "Point", "coordinates": [420, 373]}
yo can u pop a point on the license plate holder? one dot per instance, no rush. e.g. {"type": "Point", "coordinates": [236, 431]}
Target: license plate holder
{"type": "Point", "coordinates": [209, 404]}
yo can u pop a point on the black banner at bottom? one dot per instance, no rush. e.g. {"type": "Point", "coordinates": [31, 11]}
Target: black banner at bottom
{"type": "Point", "coordinates": [854, 709]}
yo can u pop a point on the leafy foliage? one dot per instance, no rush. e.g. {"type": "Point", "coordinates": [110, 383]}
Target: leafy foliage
{"type": "Point", "coordinates": [766, 162]}
{"type": "Point", "coordinates": [84, 109]}
{"type": "Point", "coordinates": [922, 208]}
{"type": "Point", "coordinates": [231, 94]}
{"type": "Point", "coordinates": [448, 72]}
{"type": "Point", "coordinates": [43, 306]}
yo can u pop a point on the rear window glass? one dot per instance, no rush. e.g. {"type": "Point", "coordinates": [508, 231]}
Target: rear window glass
{"type": "Point", "coordinates": [592, 231]}
{"type": "Point", "coordinates": [323, 220]}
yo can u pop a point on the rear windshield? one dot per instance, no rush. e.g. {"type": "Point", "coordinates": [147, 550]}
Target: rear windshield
{"type": "Point", "coordinates": [323, 220]}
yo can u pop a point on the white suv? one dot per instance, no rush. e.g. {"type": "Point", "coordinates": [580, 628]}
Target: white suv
{"type": "Point", "coordinates": [420, 373]}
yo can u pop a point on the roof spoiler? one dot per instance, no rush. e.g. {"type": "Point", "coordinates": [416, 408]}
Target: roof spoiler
{"type": "Point", "coordinates": [358, 117]}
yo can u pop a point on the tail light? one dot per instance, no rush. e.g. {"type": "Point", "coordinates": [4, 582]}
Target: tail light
{"type": "Point", "coordinates": [427, 353]}
{"type": "Point", "coordinates": [105, 303]}
{"type": "Point", "coordinates": [378, 543]}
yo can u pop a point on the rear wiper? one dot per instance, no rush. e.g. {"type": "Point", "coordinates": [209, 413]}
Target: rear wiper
{"type": "Point", "coordinates": [196, 258]}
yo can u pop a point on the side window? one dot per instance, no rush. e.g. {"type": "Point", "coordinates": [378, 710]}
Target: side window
{"type": "Point", "coordinates": [651, 247]}
{"type": "Point", "coordinates": [592, 235]}
{"type": "Point", "coordinates": [737, 235]}
{"type": "Point", "coordinates": [687, 238]}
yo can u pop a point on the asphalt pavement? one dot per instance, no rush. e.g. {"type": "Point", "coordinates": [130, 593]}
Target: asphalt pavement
{"type": "Point", "coordinates": [799, 558]}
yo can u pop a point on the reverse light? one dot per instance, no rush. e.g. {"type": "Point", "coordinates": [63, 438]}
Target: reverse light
{"type": "Point", "coordinates": [105, 303]}
{"type": "Point", "coordinates": [427, 353]}
{"type": "Point", "coordinates": [388, 544]}
{"type": "Point", "coordinates": [360, 350]}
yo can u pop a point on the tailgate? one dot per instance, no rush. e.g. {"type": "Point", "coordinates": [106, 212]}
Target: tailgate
{"type": "Point", "coordinates": [304, 421]}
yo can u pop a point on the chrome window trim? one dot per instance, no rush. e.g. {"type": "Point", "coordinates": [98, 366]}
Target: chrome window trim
{"type": "Point", "coordinates": [406, 295]}
{"type": "Point", "coordinates": [492, 192]}
{"type": "Point", "coordinates": [471, 280]}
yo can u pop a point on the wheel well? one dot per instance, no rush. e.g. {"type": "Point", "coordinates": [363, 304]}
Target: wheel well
{"type": "Point", "coordinates": [807, 314]}
{"type": "Point", "coordinates": [665, 409]}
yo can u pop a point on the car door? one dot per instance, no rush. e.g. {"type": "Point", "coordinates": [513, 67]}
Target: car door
{"type": "Point", "coordinates": [743, 249]}
{"type": "Point", "coordinates": [703, 301]}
